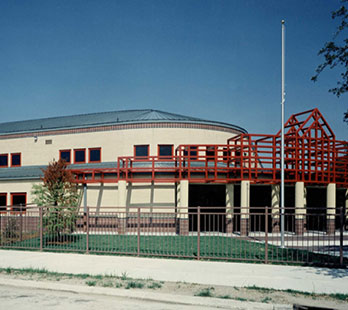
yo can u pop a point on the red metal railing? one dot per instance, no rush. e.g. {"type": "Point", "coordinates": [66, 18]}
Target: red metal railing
{"type": "Point", "coordinates": [312, 155]}
{"type": "Point", "coordinates": [237, 234]}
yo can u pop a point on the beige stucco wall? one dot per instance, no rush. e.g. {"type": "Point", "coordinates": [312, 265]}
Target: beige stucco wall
{"type": "Point", "coordinates": [113, 143]}
{"type": "Point", "coordinates": [17, 186]}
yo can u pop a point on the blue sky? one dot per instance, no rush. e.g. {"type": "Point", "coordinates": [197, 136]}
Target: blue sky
{"type": "Point", "coordinates": [218, 59]}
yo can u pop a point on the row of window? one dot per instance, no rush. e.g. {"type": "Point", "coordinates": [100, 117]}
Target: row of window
{"type": "Point", "coordinates": [164, 150]}
{"type": "Point", "coordinates": [94, 155]}
{"type": "Point", "coordinates": [14, 157]}
{"type": "Point", "coordinates": [17, 200]}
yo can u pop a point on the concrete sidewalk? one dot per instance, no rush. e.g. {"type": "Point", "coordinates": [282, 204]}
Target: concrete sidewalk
{"type": "Point", "coordinates": [308, 279]}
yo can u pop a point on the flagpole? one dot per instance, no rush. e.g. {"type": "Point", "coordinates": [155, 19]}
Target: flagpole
{"type": "Point", "coordinates": [282, 192]}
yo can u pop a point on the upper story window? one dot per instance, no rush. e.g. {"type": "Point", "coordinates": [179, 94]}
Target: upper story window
{"type": "Point", "coordinates": [4, 160]}
{"type": "Point", "coordinates": [18, 201]}
{"type": "Point", "coordinates": [15, 159]}
{"type": "Point", "coordinates": [65, 155]}
{"type": "Point", "coordinates": [95, 155]}
{"type": "Point", "coordinates": [165, 150]}
{"type": "Point", "coordinates": [141, 150]}
{"type": "Point", "coordinates": [79, 156]}
{"type": "Point", "coordinates": [3, 202]}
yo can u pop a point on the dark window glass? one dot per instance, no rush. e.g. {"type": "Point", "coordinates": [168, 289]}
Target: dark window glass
{"type": "Point", "coordinates": [15, 159]}
{"type": "Point", "coordinates": [210, 153]}
{"type": "Point", "coordinates": [193, 152]}
{"type": "Point", "coordinates": [3, 160]}
{"type": "Point", "coordinates": [165, 150]}
{"type": "Point", "coordinates": [80, 156]}
{"type": "Point", "coordinates": [3, 202]}
{"type": "Point", "coordinates": [94, 155]}
{"type": "Point", "coordinates": [66, 156]}
{"type": "Point", "coordinates": [19, 201]}
{"type": "Point", "coordinates": [141, 150]}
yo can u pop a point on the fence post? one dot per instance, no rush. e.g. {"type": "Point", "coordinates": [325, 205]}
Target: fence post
{"type": "Point", "coordinates": [87, 230]}
{"type": "Point", "coordinates": [138, 232]}
{"type": "Point", "coordinates": [41, 227]}
{"type": "Point", "coordinates": [20, 223]}
{"type": "Point", "coordinates": [266, 236]}
{"type": "Point", "coordinates": [199, 233]}
{"type": "Point", "coordinates": [341, 234]}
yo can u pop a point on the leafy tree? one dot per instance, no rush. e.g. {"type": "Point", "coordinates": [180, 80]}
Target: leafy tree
{"type": "Point", "coordinates": [335, 52]}
{"type": "Point", "coordinates": [59, 194]}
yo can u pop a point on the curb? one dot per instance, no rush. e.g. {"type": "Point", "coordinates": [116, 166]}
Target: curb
{"type": "Point", "coordinates": [148, 296]}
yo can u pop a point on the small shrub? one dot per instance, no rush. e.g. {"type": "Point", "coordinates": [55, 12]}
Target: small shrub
{"type": "Point", "coordinates": [11, 229]}
{"type": "Point", "coordinates": [266, 300]}
{"type": "Point", "coordinates": [134, 284]}
{"type": "Point", "coordinates": [124, 276]}
{"type": "Point", "coordinates": [225, 297]}
{"type": "Point", "coordinates": [206, 292]}
{"type": "Point", "coordinates": [91, 283]}
{"type": "Point", "coordinates": [154, 285]}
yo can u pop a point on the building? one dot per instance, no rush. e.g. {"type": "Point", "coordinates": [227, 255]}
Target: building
{"type": "Point", "coordinates": [155, 159]}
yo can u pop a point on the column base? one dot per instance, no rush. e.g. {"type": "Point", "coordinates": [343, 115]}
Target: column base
{"type": "Point", "coordinates": [244, 227]}
{"type": "Point", "coordinates": [229, 226]}
{"type": "Point", "coordinates": [122, 226]}
{"type": "Point", "coordinates": [183, 227]}
{"type": "Point", "coordinates": [275, 225]}
{"type": "Point", "coordinates": [299, 226]}
{"type": "Point", "coordinates": [330, 226]}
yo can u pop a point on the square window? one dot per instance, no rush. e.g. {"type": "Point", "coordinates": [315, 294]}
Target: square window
{"type": "Point", "coordinates": [18, 201]}
{"type": "Point", "coordinates": [165, 150]}
{"type": "Point", "coordinates": [3, 202]}
{"type": "Point", "coordinates": [80, 156]}
{"type": "Point", "coordinates": [3, 160]}
{"type": "Point", "coordinates": [95, 155]}
{"type": "Point", "coordinates": [65, 155]}
{"type": "Point", "coordinates": [15, 159]}
{"type": "Point", "coordinates": [141, 150]}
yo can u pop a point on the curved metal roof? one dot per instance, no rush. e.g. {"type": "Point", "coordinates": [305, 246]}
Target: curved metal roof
{"type": "Point", "coordinates": [105, 118]}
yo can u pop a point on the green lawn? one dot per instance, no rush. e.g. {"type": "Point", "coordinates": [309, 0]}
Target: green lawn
{"type": "Point", "coordinates": [211, 247]}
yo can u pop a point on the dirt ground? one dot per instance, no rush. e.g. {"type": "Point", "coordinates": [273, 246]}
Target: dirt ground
{"type": "Point", "coordinates": [255, 294]}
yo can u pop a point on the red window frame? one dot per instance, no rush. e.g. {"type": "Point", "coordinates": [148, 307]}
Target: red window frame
{"type": "Point", "coordinates": [148, 151]}
{"type": "Point", "coordinates": [25, 203]}
{"type": "Point", "coordinates": [89, 154]}
{"type": "Point", "coordinates": [20, 160]}
{"type": "Point", "coordinates": [165, 156]}
{"type": "Point", "coordinates": [4, 194]}
{"type": "Point", "coordinates": [7, 160]}
{"type": "Point", "coordinates": [79, 162]}
{"type": "Point", "coordinates": [60, 155]}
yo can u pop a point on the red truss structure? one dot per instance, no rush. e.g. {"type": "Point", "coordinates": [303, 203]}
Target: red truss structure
{"type": "Point", "coordinates": [312, 155]}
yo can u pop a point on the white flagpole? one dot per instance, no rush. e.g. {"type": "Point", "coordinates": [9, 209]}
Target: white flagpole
{"type": "Point", "coordinates": [282, 192]}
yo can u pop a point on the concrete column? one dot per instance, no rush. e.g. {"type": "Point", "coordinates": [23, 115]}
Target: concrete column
{"type": "Point", "coordinates": [84, 207]}
{"type": "Point", "coordinates": [121, 204]}
{"type": "Point", "coordinates": [245, 207]}
{"type": "Point", "coordinates": [330, 208]}
{"type": "Point", "coordinates": [183, 207]}
{"type": "Point", "coordinates": [229, 207]}
{"type": "Point", "coordinates": [300, 211]}
{"type": "Point", "coordinates": [275, 208]}
{"type": "Point", "coordinates": [346, 204]}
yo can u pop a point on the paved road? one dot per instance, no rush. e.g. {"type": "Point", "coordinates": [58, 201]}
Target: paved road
{"type": "Point", "coordinates": [34, 299]}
